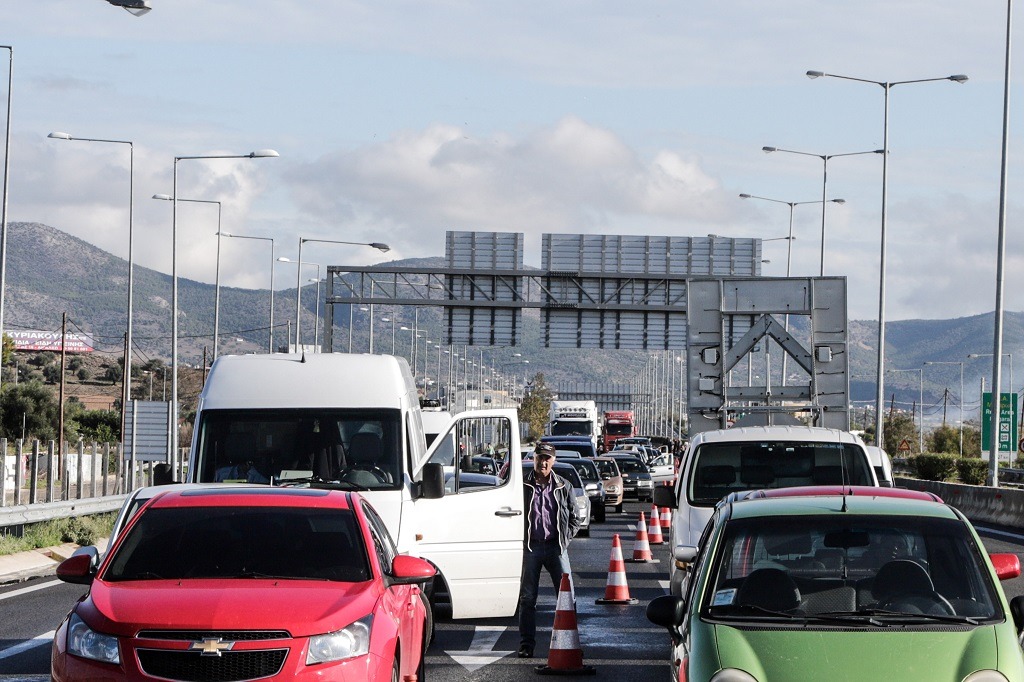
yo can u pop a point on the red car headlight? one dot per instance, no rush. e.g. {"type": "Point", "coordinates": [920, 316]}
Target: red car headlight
{"type": "Point", "coordinates": [348, 642]}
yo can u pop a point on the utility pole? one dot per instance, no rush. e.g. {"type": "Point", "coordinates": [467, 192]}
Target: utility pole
{"type": "Point", "coordinates": [60, 423]}
{"type": "Point", "coordinates": [945, 399]}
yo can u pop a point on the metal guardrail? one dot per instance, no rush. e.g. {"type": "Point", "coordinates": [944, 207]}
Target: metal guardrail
{"type": "Point", "coordinates": [47, 511]}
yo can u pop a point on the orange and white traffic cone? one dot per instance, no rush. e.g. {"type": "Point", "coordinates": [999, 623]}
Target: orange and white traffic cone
{"type": "Point", "coordinates": [666, 519]}
{"type": "Point", "coordinates": [641, 546]}
{"type": "Point", "coordinates": [565, 657]}
{"type": "Point", "coordinates": [616, 591]}
{"type": "Point", "coordinates": [654, 535]}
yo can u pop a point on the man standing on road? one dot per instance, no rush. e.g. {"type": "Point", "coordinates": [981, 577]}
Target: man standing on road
{"type": "Point", "coordinates": [551, 522]}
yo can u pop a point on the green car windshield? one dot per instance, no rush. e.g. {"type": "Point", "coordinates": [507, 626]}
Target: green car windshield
{"type": "Point", "coordinates": [863, 568]}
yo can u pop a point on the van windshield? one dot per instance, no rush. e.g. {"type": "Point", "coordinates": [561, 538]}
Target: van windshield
{"type": "Point", "coordinates": [359, 448]}
{"type": "Point", "coordinates": [723, 468]}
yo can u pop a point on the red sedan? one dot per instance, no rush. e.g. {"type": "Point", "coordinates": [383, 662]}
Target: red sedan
{"type": "Point", "coordinates": [226, 585]}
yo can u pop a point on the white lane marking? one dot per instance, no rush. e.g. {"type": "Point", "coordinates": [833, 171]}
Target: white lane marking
{"type": "Point", "coordinates": [32, 588]}
{"type": "Point", "coordinates": [664, 584]}
{"type": "Point", "coordinates": [25, 678]}
{"type": "Point", "coordinates": [481, 650]}
{"type": "Point", "coordinates": [993, 531]}
{"type": "Point", "coordinates": [42, 639]}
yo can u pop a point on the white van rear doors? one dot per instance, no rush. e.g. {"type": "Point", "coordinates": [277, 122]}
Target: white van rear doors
{"type": "Point", "coordinates": [474, 534]}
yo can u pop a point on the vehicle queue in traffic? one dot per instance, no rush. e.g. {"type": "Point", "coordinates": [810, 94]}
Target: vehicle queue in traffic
{"type": "Point", "coordinates": [782, 544]}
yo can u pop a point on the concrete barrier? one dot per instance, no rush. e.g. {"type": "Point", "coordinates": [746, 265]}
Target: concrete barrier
{"type": "Point", "coordinates": [1000, 506]}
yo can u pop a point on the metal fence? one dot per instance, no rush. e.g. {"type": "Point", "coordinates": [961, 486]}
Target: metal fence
{"type": "Point", "coordinates": [38, 473]}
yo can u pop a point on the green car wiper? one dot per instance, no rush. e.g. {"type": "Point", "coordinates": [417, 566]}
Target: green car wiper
{"type": "Point", "coordinates": [903, 616]}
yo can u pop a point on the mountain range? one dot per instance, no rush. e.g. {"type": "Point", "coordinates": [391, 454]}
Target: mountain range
{"type": "Point", "coordinates": [50, 272]}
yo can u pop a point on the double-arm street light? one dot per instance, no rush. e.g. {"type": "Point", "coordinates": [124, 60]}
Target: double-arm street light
{"type": "Point", "coordinates": [129, 350]}
{"type": "Point", "coordinates": [938, 362]}
{"type": "Point", "coordinates": [216, 297]}
{"type": "Point", "coordinates": [824, 184]}
{"type": "Point", "coordinates": [298, 282]}
{"type": "Point", "coordinates": [886, 86]}
{"type": "Point", "coordinates": [173, 425]}
{"type": "Point", "coordinates": [266, 239]}
{"type": "Point", "coordinates": [789, 251]}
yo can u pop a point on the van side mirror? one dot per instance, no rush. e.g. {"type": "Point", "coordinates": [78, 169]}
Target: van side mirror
{"type": "Point", "coordinates": [1017, 610]}
{"type": "Point", "coordinates": [432, 486]}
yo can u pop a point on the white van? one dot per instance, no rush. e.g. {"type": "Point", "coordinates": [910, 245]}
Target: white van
{"type": "Point", "coordinates": [882, 464]}
{"type": "Point", "coordinates": [725, 461]}
{"type": "Point", "coordinates": [353, 422]}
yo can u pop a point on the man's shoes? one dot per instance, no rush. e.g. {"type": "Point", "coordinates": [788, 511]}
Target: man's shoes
{"type": "Point", "coordinates": [525, 651]}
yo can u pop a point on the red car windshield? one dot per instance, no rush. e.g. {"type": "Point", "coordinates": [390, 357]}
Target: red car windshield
{"type": "Point", "coordinates": [242, 542]}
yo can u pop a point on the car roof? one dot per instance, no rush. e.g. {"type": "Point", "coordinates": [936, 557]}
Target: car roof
{"type": "Point", "coordinates": [246, 496]}
{"type": "Point", "coordinates": [833, 490]}
{"type": "Point", "coordinates": [838, 504]}
{"type": "Point", "coordinates": [762, 433]}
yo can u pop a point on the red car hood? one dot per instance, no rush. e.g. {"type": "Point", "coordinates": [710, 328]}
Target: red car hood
{"type": "Point", "coordinates": [301, 607]}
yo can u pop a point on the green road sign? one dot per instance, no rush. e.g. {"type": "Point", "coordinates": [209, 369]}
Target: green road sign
{"type": "Point", "coordinates": [1007, 423]}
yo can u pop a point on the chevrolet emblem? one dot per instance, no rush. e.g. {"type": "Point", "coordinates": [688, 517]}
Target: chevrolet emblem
{"type": "Point", "coordinates": [211, 646]}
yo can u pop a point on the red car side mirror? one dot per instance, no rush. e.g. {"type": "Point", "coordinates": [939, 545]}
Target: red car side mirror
{"type": "Point", "coordinates": [408, 570]}
{"type": "Point", "coordinates": [1007, 565]}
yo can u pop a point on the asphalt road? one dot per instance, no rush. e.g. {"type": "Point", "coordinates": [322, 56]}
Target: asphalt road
{"type": "Point", "coordinates": [617, 641]}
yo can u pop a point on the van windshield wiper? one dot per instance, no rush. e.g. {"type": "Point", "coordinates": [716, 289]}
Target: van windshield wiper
{"type": "Point", "coordinates": [317, 482]}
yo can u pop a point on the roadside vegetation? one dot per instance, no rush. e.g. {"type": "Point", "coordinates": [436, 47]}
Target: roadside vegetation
{"type": "Point", "coordinates": [81, 530]}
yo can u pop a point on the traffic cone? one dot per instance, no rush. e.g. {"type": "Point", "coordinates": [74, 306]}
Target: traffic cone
{"type": "Point", "coordinates": [666, 519]}
{"type": "Point", "coordinates": [654, 535]}
{"type": "Point", "coordinates": [565, 657]}
{"type": "Point", "coordinates": [616, 591]}
{"type": "Point", "coordinates": [641, 546]}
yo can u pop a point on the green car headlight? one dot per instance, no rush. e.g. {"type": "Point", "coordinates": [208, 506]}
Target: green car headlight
{"type": "Point", "coordinates": [733, 675]}
{"type": "Point", "coordinates": [85, 642]}
{"type": "Point", "coordinates": [985, 676]}
{"type": "Point", "coordinates": [348, 642]}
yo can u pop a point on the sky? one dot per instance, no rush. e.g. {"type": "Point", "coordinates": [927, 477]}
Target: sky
{"type": "Point", "coordinates": [398, 121]}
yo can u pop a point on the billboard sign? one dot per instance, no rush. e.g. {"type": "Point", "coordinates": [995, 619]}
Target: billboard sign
{"type": "Point", "coordinates": [31, 340]}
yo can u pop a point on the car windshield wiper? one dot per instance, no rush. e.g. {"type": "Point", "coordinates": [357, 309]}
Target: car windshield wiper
{"type": "Point", "coordinates": [761, 611]}
{"type": "Point", "coordinates": [258, 575]}
{"type": "Point", "coordinates": [903, 616]}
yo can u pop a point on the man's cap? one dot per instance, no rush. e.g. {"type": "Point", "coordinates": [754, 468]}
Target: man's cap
{"type": "Point", "coordinates": [544, 450]}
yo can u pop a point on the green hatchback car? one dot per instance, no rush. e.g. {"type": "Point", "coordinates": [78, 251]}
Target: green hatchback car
{"type": "Point", "coordinates": [842, 588]}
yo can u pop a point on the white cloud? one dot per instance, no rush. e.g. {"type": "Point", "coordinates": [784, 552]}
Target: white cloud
{"type": "Point", "coordinates": [570, 177]}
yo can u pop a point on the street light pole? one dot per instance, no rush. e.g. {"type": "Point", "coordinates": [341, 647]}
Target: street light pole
{"type": "Point", "coordinates": [271, 240]}
{"type": "Point", "coordinates": [127, 379]}
{"type": "Point", "coordinates": [216, 298]}
{"type": "Point", "coordinates": [298, 281]}
{"type": "Point", "coordinates": [7, 176]}
{"type": "Point", "coordinates": [824, 183]}
{"type": "Point", "coordinates": [886, 86]}
{"type": "Point", "coordinates": [937, 362]}
{"type": "Point", "coordinates": [173, 425]}
{"type": "Point", "coordinates": [298, 265]}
